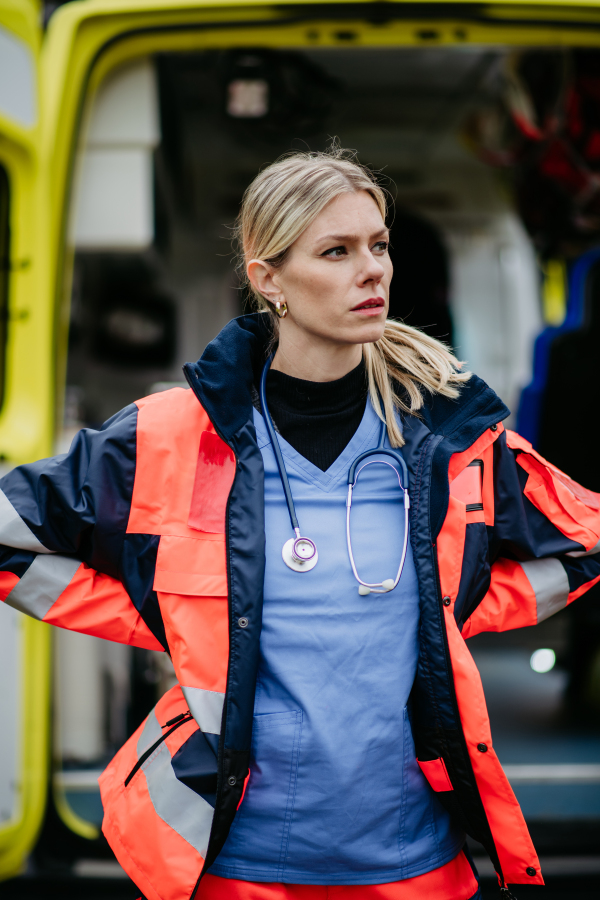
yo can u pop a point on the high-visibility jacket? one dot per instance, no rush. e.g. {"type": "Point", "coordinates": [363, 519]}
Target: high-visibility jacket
{"type": "Point", "coordinates": [150, 531]}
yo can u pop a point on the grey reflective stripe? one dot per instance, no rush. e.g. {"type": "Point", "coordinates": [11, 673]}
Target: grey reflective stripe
{"type": "Point", "coordinates": [151, 732]}
{"type": "Point", "coordinates": [42, 584]}
{"type": "Point", "coordinates": [176, 804]}
{"type": "Point", "coordinates": [550, 585]}
{"type": "Point", "coordinates": [591, 552]}
{"type": "Point", "coordinates": [13, 530]}
{"type": "Point", "coordinates": [206, 708]}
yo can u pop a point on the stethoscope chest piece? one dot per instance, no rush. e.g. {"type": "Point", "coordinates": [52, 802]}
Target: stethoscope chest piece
{"type": "Point", "coordinates": [300, 554]}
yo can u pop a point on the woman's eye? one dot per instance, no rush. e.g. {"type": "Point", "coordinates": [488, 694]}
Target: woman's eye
{"type": "Point", "coordinates": [335, 252]}
{"type": "Point", "coordinates": [381, 247]}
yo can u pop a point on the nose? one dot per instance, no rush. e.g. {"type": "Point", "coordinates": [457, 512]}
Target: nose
{"type": "Point", "coordinates": [371, 268]}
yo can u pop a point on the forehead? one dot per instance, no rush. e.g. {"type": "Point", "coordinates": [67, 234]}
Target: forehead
{"type": "Point", "coordinates": [350, 213]}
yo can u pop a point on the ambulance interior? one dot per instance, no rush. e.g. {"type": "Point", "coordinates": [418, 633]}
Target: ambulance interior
{"type": "Point", "coordinates": [166, 149]}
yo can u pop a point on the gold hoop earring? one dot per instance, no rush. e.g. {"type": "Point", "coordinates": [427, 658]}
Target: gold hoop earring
{"type": "Point", "coordinates": [281, 309]}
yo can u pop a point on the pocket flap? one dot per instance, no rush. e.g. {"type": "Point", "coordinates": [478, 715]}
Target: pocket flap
{"type": "Point", "coordinates": [436, 774]}
{"type": "Point", "coordinates": [190, 583]}
{"type": "Point", "coordinates": [192, 566]}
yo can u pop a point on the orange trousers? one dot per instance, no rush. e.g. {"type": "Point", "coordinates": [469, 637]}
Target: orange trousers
{"type": "Point", "coordinates": [454, 881]}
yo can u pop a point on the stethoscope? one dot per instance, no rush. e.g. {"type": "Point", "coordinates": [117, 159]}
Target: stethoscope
{"type": "Point", "coordinates": [300, 553]}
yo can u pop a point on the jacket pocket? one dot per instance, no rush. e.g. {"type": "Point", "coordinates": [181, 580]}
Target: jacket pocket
{"type": "Point", "coordinates": [215, 472]}
{"type": "Point", "coordinates": [191, 583]}
{"type": "Point", "coordinates": [171, 726]}
{"type": "Point", "coordinates": [165, 812]}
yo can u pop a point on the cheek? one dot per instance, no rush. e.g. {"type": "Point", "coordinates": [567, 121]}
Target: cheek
{"type": "Point", "coordinates": [310, 287]}
{"type": "Point", "coordinates": [389, 270]}
{"type": "Point", "coordinates": [326, 297]}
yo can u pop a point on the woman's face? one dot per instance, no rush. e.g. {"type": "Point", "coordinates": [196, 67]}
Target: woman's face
{"type": "Point", "coordinates": [337, 276]}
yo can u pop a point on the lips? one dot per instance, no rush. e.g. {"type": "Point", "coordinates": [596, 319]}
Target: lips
{"type": "Point", "coordinates": [371, 303]}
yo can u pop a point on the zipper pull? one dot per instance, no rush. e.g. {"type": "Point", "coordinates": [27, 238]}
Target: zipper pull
{"type": "Point", "coordinates": [186, 715]}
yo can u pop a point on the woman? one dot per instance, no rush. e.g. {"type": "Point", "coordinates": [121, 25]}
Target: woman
{"type": "Point", "coordinates": [283, 765]}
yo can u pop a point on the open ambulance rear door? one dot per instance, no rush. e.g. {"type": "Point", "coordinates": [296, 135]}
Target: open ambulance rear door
{"type": "Point", "coordinates": [25, 422]}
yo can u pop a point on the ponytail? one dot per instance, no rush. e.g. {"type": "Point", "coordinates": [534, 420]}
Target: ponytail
{"type": "Point", "coordinates": [408, 358]}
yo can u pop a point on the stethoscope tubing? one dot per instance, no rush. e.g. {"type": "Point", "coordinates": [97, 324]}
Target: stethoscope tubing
{"type": "Point", "coordinates": [300, 556]}
{"type": "Point", "coordinates": [308, 551]}
{"type": "Point", "coordinates": [275, 445]}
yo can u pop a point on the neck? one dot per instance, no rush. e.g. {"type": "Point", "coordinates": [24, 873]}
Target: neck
{"type": "Point", "coordinates": [315, 361]}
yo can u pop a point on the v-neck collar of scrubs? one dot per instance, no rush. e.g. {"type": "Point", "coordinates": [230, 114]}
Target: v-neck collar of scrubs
{"type": "Point", "coordinates": [365, 437]}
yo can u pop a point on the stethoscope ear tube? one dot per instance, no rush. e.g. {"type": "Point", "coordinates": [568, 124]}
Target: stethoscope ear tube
{"type": "Point", "coordinates": [380, 450]}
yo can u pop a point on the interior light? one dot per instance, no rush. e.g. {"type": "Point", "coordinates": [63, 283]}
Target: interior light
{"type": "Point", "coordinates": [248, 98]}
{"type": "Point", "coordinates": [133, 327]}
{"type": "Point", "coordinates": [542, 660]}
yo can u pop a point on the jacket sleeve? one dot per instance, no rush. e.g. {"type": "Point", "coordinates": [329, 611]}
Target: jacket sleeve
{"type": "Point", "coordinates": [544, 543]}
{"type": "Point", "coordinates": [65, 556]}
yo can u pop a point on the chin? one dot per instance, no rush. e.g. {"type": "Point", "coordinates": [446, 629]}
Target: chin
{"type": "Point", "coordinates": [370, 332]}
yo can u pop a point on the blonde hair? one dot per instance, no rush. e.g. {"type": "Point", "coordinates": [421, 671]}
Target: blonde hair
{"type": "Point", "coordinates": [277, 207]}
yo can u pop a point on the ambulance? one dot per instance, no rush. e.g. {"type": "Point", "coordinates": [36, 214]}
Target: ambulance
{"type": "Point", "coordinates": [129, 130]}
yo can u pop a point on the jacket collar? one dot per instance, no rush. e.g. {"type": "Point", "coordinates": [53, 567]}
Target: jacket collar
{"type": "Point", "coordinates": [224, 376]}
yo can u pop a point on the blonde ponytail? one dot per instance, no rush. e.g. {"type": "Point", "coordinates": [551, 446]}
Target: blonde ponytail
{"type": "Point", "coordinates": [408, 358]}
{"type": "Point", "coordinates": [277, 207]}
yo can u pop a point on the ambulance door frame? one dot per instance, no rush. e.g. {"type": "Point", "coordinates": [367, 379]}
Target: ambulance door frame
{"type": "Point", "coordinates": [25, 429]}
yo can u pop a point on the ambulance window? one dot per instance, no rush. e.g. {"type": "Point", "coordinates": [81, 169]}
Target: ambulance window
{"type": "Point", "coordinates": [152, 285]}
{"type": "Point", "coordinates": [572, 387]}
{"type": "Point", "coordinates": [4, 270]}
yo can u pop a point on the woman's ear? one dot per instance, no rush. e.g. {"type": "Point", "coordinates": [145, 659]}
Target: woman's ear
{"type": "Point", "coordinates": [262, 278]}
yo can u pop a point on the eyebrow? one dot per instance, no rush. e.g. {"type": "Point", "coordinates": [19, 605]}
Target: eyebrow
{"type": "Point", "coordinates": [349, 238]}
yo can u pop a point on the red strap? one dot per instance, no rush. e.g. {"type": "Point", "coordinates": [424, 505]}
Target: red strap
{"type": "Point", "coordinates": [436, 774]}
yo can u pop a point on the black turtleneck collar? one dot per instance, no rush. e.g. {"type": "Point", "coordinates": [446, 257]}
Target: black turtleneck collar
{"type": "Point", "coordinates": [318, 418]}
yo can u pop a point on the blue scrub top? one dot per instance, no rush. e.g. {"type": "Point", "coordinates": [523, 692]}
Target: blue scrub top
{"type": "Point", "coordinates": [335, 795]}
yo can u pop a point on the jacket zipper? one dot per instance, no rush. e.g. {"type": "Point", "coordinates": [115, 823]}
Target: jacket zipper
{"type": "Point", "coordinates": [186, 717]}
{"type": "Point", "coordinates": [504, 891]}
